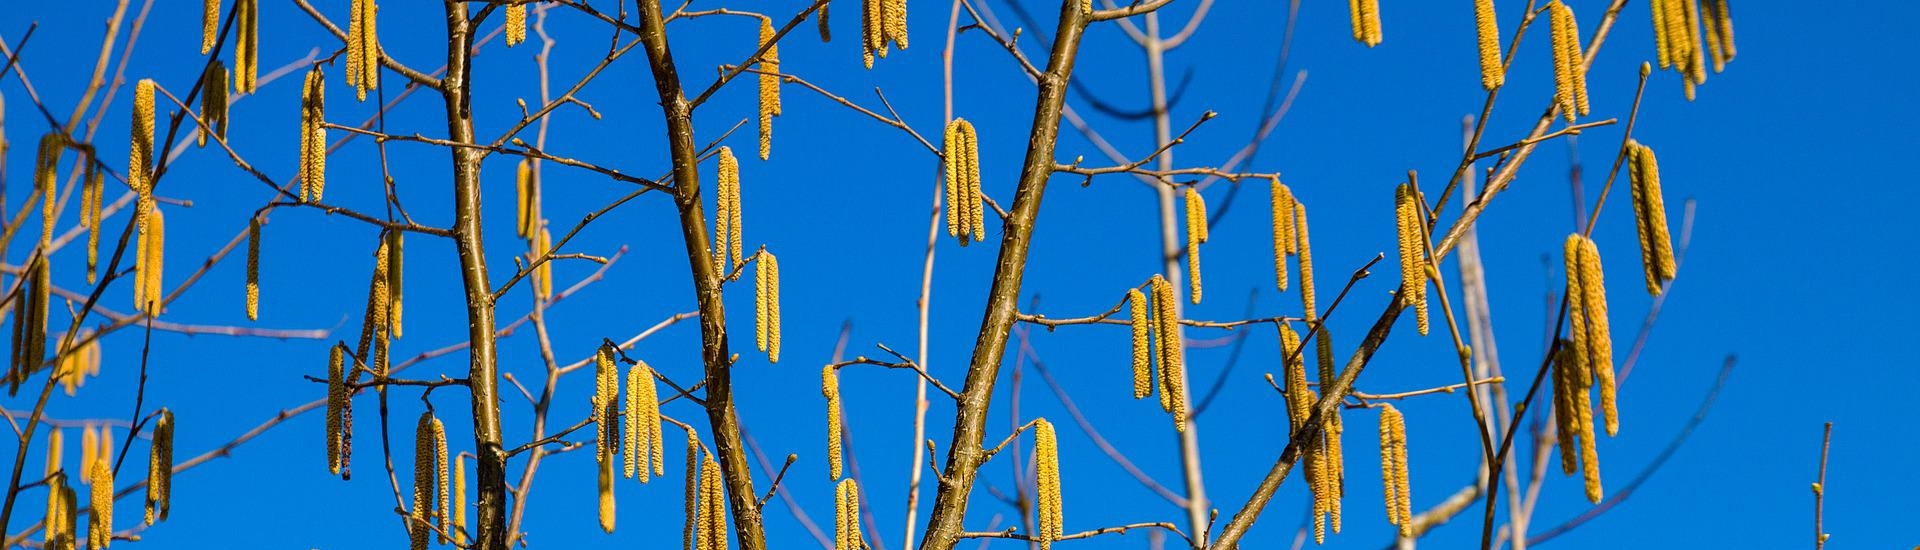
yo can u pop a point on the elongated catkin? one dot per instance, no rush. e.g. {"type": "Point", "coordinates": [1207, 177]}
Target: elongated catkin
{"type": "Point", "coordinates": [1323, 342]}
{"type": "Point", "coordinates": [606, 393]}
{"type": "Point", "coordinates": [961, 158]}
{"type": "Point", "coordinates": [459, 501]}
{"type": "Point", "coordinates": [516, 24]}
{"type": "Point", "coordinates": [1196, 234]}
{"type": "Point", "coordinates": [89, 448]}
{"type": "Point", "coordinates": [56, 443]}
{"type": "Point", "coordinates": [1719, 22]}
{"type": "Point", "coordinates": [726, 217]}
{"type": "Point", "coordinates": [606, 495]}
{"type": "Point", "coordinates": [396, 261]}
{"type": "Point", "coordinates": [873, 34]}
{"type": "Point", "coordinates": [1413, 253]}
{"type": "Point", "coordinates": [424, 492]}
{"type": "Point", "coordinates": [1566, 64]}
{"type": "Point", "coordinates": [1299, 407]}
{"type": "Point", "coordinates": [1046, 458]}
{"type": "Point", "coordinates": [1593, 306]}
{"type": "Point", "coordinates": [542, 276]}
{"type": "Point", "coordinates": [689, 533]}
{"type": "Point", "coordinates": [140, 157]}
{"type": "Point", "coordinates": [713, 500]}
{"type": "Point", "coordinates": [830, 387]}
{"type": "Point", "coordinates": [160, 468]}
{"type": "Point", "coordinates": [1662, 43]}
{"type": "Point", "coordinates": [1172, 369]}
{"type": "Point", "coordinates": [246, 50]}
{"type": "Point", "coordinates": [153, 254]}
{"type": "Point", "coordinates": [1138, 321]}
{"type": "Point", "coordinates": [642, 419]}
{"type": "Point", "coordinates": [1650, 217]}
{"type": "Point", "coordinates": [209, 24]}
{"type": "Point", "coordinates": [213, 102]}
{"type": "Point", "coordinates": [1313, 455]}
{"type": "Point", "coordinates": [1487, 31]}
{"type": "Point", "coordinates": [1284, 243]}
{"type": "Point", "coordinates": [1393, 457]}
{"type": "Point", "coordinates": [96, 189]}
{"type": "Point", "coordinates": [100, 498]}
{"type": "Point", "coordinates": [526, 199]}
{"type": "Point", "coordinates": [1366, 21]}
{"type": "Point", "coordinates": [896, 23]}
{"type": "Point", "coordinates": [769, 86]}
{"type": "Point", "coordinates": [845, 512]}
{"type": "Point", "coordinates": [337, 403]}
{"type": "Point", "coordinates": [253, 269]}
{"type": "Point", "coordinates": [313, 136]}
{"type": "Point", "coordinates": [767, 297]}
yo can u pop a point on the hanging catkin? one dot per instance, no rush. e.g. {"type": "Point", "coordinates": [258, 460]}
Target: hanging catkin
{"type": "Point", "coordinates": [160, 469]}
{"type": "Point", "coordinates": [313, 136]}
{"type": "Point", "coordinates": [1283, 239]}
{"type": "Point", "coordinates": [363, 48]}
{"type": "Point", "coordinates": [246, 50]}
{"type": "Point", "coordinates": [1719, 22]}
{"type": "Point", "coordinates": [692, 499]}
{"type": "Point", "coordinates": [1487, 30]}
{"type": "Point", "coordinates": [95, 189]}
{"type": "Point", "coordinates": [713, 505]}
{"type": "Point", "coordinates": [769, 86]}
{"type": "Point", "coordinates": [1138, 321]}
{"type": "Point", "coordinates": [606, 495]}
{"type": "Point", "coordinates": [140, 158]}
{"type": "Point", "coordinates": [213, 102]}
{"type": "Point", "coordinates": [726, 217]}
{"type": "Point", "coordinates": [459, 501]}
{"type": "Point", "coordinates": [643, 420]}
{"type": "Point", "coordinates": [1696, 58]}
{"type": "Point", "coordinates": [153, 254]}
{"type": "Point", "coordinates": [871, 35]}
{"type": "Point", "coordinates": [396, 259]}
{"type": "Point", "coordinates": [1172, 374]}
{"type": "Point", "coordinates": [1047, 482]}
{"type": "Point", "coordinates": [428, 435]}
{"type": "Point", "coordinates": [1413, 253]}
{"type": "Point", "coordinates": [337, 403]}
{"type": "Point", "coordinates": [45, 181]}
{"type": "Point", "coordinates": [1650, 217]}
{"type": "Point", "coordinates": [844, 514]}
{"type": "Point", "coordinates": [100, 498]}
{"type": "Point", "coordinates": [961, 154]}
{"type": "Point", "coordinates": [1569, 61]}
{"type": "Point", "coordinates": [1314, 454]}
{"type": "Point", "coordinates": [1299, 406]}
{"type": "Point", "coordinates": [830, 387]}
{"type": "Point", "coordinates": [606, 394]}
{"type": "Point", "coordinates": [1393, 459]}
{"type": "Point", "coordinates": [253, 268]}
{"type": "Point", "coordinates": [516, 24]}
{"type": "Point", "coordinates": [527, 201]}
{"type": "Point", "coordinates": [896, 22]}
{"type": "Point", "coordinates": [54, 536]}
{"type": "Point", "coordinates": [89, 448]}
{"type": "Point", "coordinates": [209, 25]}
{"type": "Point", "coordinates": [30, 324]}
{"type": "Point", "coordinates": [373, 328]}
{"type": "Point", "coordinates": [1196, 234]}
{"type": "Point", "coordinates": [55, 443]}
{"type": "Point", "coordinates": [542, 274]}
{"type": "Point", "coordinates": [1566, 381]}
{"type": "Point", "coordinates": [1593, 305]}
{"type": "Point", "coordinates": [767, 300]}
{"type": "Point", "coordinates": [1323, 342]}
{"type": "Point", "coordinates": [1366, 21]}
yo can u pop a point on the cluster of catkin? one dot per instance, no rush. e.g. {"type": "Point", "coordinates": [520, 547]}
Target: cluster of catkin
{"type": "Point", "coordinates": [1393, 469]}
{"type": "Point", "coordinates": [246, 50]}
{"type": "Point", "coordinates": [1569, 61]}
{"type": "Point", "coordinates": [46, 181]}
{"type": "Point", "coordinates": [1291, 238]}
{"type": "Point", "coordinates": [376, 327]}
{"type": "Point", "coordinates": [1046, 456]}
{"type": "Point", "coordinates": [966, 218]}
{"type": "Point", "coordinates": [644, 443]}
{"type": "Point", "coordinates": [62, 504]}
{"type": "Point", "coordinates": [160, 468]}
{"type": "Point", "coordinates": [846, 516]}
{"type": "Point", "coordinates": [1677, 31]}
{"type": "Point", "coordinates": [92, 187]}
{"type": "Point", "coordinates": [606, 433]}
{"type": "Point", "coordinates": [1196, 218]}
{"type": "Point", "coordinates": [709, 522]}
{"type": "Point", "coordinates": [77, 364]}
{"type": "Point", "coordinates": [1650, 216]}
{"type": "Point", "coordinates": [1156, 313]}
{"type": "Point", "coordinates": [769, 84]}
{"type": "Point", "coordinates": [1585, 361]}
{"type": "Point", "coordinates": [30, 323]}
{"type": "Point", "coordinates": [149, 262]}
{"type": "Point", "coordinates": [363, 48]}
{"type": "Point", "coordinates": [530, 224]}
{"type": "Point", "coordinates": [1408, 210]}
{"type": "Point", "coordinates": [213, 102]}
{"type": "Point", "coordinates": [516, 24]}
{"type": "Point", "coordinates": [882, 22]}
{"type": "Point", "coordinates": [430, 487]}
{"type": "Point", "coordinates": [727, 253]}
{"type": "Point", "coordinates": [313, 136]}
{"type": "Point", "coordinates": [1366, 21]}
{"type": "Point", "coordinates": [1323, 458]}
{"type": "Point", "coordinates": [766, 296]}
{"type": "Point", "coordinates": [96, 470]}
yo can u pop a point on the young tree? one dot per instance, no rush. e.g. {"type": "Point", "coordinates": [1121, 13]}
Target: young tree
{"type": "Point", "coordinates": [723, 505]}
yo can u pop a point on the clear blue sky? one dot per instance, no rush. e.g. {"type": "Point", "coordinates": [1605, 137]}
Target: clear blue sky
{"type": "Point", "coordinates": [1792, 155]}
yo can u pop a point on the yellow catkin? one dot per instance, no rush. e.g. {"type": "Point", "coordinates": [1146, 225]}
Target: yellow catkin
{"type": "Point", "coordinates": [253, 269]}
{"type": "Point", "coordinates": [632, 446]}
{"type": "Point", "coordinates": [543, 274]}
{"type": "Point", "coordinates": [1593, 306]}
{"type": "Point", "coordinates": [840, 514]}
{"type": "Point", "coordinates": [1589, 451]}
{"type": "Point", "coordinates": [56, 441]}
{"type": "Point", "coordinates": [1393, 457]}
{"type": "Point", "coordinates": [1047, 482]}
{"type": "Point", "coordinates": [54, 533]}
{"type": "Point", "coordinates": [364, 48]}
{"type": "Point", "coordinates": [1138, 321]}
{"type": "Point", "coordinates": [1366, 21]}
{"type": "Point", "coordinates": [526, 203]}
{"type": "Point", "coordinates": [1172, 373]}
{"type": "Point", "coordinates": [872, 37]}
{"type": "Point", "coordinates": [1487, 30]}
{"type": "Point", "coordinates": [1565, 37]}
{"type": "Point", "coordinates": [89, 447]}
{"type": "Point", "coordinates": [961, 155]}
{"type": "Point", "coordinates": [1413, 254]}
{"type": "Point", "coordinates": [830, 387]}
{"type": "Point", "coordinates": [1196, 234]}
{"type": "Point", "coordinates": [606, 394]}
{"type": "Point", "coordinates": [767, 300]}
{"type": "Point", "coordinates": [209, 25]}
{"type": "Point", "coordinates": [896, 23]}
{"type": "Point", "coordinates": [713, 506]}
{"type": "Point", "coordinates": [1696, 58]}
{"type": "Point", "coordinates": [692, 499]}
{"type": "Point", "coordinates": [424, 491]}
{"type": "Point", "coordinates": [1299, 407]}
{"type": "Point", "coordinates": [140, 158]}
{"type": "Point", "coordinates": [606, 496]}
{"type": "Point", "coordinates": [977, 213]}
{"type": "Point", "coordinates": [313, 137]}
{"type": "Point", "coordinates": [95, 187]}
{"type": "Point", "coordinates": [726, 217]}
{"type": "Point", "coordinates": [246, 50]}
{"type": "Point", "coordinates": [1577, 59]}
{"type": "Point", "coordinates": [160, 469]}
{"type": "Point", "coordinates": [1314, 455]}
{"type": "Point", "coordinates": [35, 320]}
{"type": "Point", "coordinates": [1719, 23]}
{"type": "Point", "coordinates": [103, 452]}
{"type": "Point", "coordinates": [1323, 343]}
{"type": "Point", "coordinates": [1284, 243]}
{"type": "Point", "coordinates": [1662, 44]}
{"type": "Point", "coordinates": [769, 86]}
{"type": "Point", "coordinates": [1565, 421]}
{"type": "Point", "coordinates": [516, 24]}
{"type": "Point", "coordinates": [459, 502]}
{"type": "Point", "coordinates": [354, 56]}
{"type": "Point", "coordinates": [1650, 216]}
{"type": "Point", "coordinates": [153, 253]}
{"type": "Point", "coordinates": [45, 182]}
{"type": "Point", "coordinates": [373, 328]}
{"type": "Point", "coordinates": [396, 261]}
{"type": "Point", "coordinates": [337, 404]}
{"type": "Point", "coordinates": [1336, 478]}
{"type": "Point", "coordinates": [1580, 371]}
{"type": "Point", "coordinates": [100, 498]}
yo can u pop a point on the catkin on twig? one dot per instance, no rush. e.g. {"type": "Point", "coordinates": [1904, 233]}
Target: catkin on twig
{"type": "Point", "coordinates": [246, 50]}
{"type": "Point", "coordinates": [1413, 253]}
{"type": "Point", "coordinates": [1487, 30]}
{"type": "Point", "coordinates": [1719, 22]}
{"type": "Point", "coordinates": [606, 394]}
{"type": "Point", "coordinates": [89, 448]}
{"type": "Point", "coordinates": [313, 136]}
{"type": "Point", "coordinates": [606, 495]}
{"type": "Point", "coordinates": [830, 387]}
{"type": "Point", "coordinates": [1323, 342]}
{"type": "Point", "coordinates": [396, 260]}
{"type": "Point", "coordinates": [160, 468]}
{"type": "Point", "coordinates": [1568, 61]}
{"type": "Point", "coordinates": [55, 445]}
{"type": "Point", "coordinates": [1366, 21]}
{"type": "Point", "coordinates": [516, 24]}
{"type": "Point", "coordinates": [961, 156]}
{"type": "Point", "coordinates": [769, 85]}
{"type": "Point", "coordinates": [1172, 375]}
{"type": "Point", "coordinates": [726, 217]}
{"type": "Point", "coordinates": [1566, 381]}
{"type": "Point", "coordinates": [140, 157]}
{"type": "Point", "coordinates": [427, 435]}
{"type": "Point", "coordinates": [767, 312]}
{"type": "Point", "coordinates": [363, 48]}
{"type": "Point", "coordinates": [1047, 482]}
{"type": "Point", "coordinates": [526, 199]}
{"type": "Point", "coordinates": [1196, 234]}
{"type": "Point", "coordinates": [542, 276]}
{"type": "Point", "coordinates": [100, 498]}
{"type": "Point", "coordinates": [337, 404]}
{"type": "Point", "coordinates": [153, 253]}
{"type": "Point", "coordinates": [1393, 458]}
{"type": "Point", "coordinates": [253, 269]}
{"type": "Point", "coordinates": [1593, 306]}
{"type": "Point", "coordinates": [459, 522]}
{"type": "Point", "coordinates": [1284, 243]}
{"type": "Point", "coordinates": [1650, 217]}
{"type": "Point", "coordinates": [209, 24]}
{"type": "Point", "coordinates": [692, 498]}
{"type": "Point", "coordinates": [713, 505]}
{"type": "Point", "coordinates": [95, 190]}
{"type": "Point", "coordinates": [643, 419]}
{"type": "Point", "coordinates": [1138, 321]}
{"type": "Point", "coordinates": [847, 535]}
{"type": "Point", "coordinates": [213, 102]}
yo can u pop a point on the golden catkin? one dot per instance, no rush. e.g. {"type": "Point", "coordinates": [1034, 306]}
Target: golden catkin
{"type": "Point", "coordinates": [1593, 306]}
{"type": "Point", "coordinates": [1662, 44]}
{"type": "Point", "coordinates": [872, 33]}
{"type": "Point", "coordinates": [1650, 217]}
{"type": "Point", "coordinates": [726, 217]}
{"type": "Point", "coordinates": [54, 533]}
{"type": "Point", "coordinates": [45, 181]}
{"type": "Point", "coordinates": [100, 499]}
{"type": "Point", "coordinates": [253, 269]}
{"type": "Point", "coordinates": [459, 522]}
{"type": "Point", "coordinates": [160, 469]}
{"type": "Point", "coordinates": [542, 275]}
{"type": "Point", "coordinates": [89, 448]}
{"type": "Point", "coordinates": [1566, 37]}
{"type": "Point", "coordinates": [606, 495]}
{"type": "Point", "coordinates": [1566, 424]}
{"type": "Point", "coordinates": [1196, 234]}
{"type": "Point", "coordinates": [516, 24]}
{"type": "Point", "coordinates": [1046, 452]}
{"type": "Point", "coordinates": [1366, 21]}
{"type": "Point", "coordinates": [246, 50]}
{"type": "Point", "coordinates": [153, 253]}
{"type": "Point", "coordinates": [1137, 320]}
{"type": "Point", "coordinates": [1584, 436]}
{"type": "Point", "coordinates": [633, 443]}
{"type": "Point", "coordinates": [767, 300]}
{"type": "Point", "coordinates": [896, 23]}
{"type": "Point", "coordinates": [1284, 243]}
{"type": "Point", "coordinates": [313, 136]}
{"type": "Point", "coordinates": [1323, 343]}
{"type": "Point", "coordinates": [373, 327]}
{"type": "Point", "coordinates": [396, 261]}
{"type": "Point", "coordinates": [713, 505]}
{"type": "Point", "coordinates": [1579, 375]}
{"type": "Point", "coordinates": [1696, 58]}
{"type": "Point", "coordinates": [337, 403]}
{"type": "Point", "coordinates": [843, 514]}
{"type": "Point", "coordinates": [1299, 407]}
{"type": "Point", "coordinates": [424, 492]}
{"type": "Point", "coordinates": [363, 48]}
{"type": "Point", "coordinates": [140, 158]}
{"type": "Point", "coordinates": [1337, 476]}
{"type": "Point", "coordinates": [96, 185]}
{"type": "Point", "coordinates": [961, 156]}
{"type": "Point", "coordinates": [692, 499]}
{"type": "Point", "coordinates": [1315, 468]}
{"type": "Point", "coordinates": [1172, 370]}
{"type": "Point", "coordinates": [971, 144]}
{"type": "Point", "coordinates": [1393, 458]}
{"type": "Point", "coordinates": [606, 394]}
{"type": "Point", "coordinates": [526, 202]}
{"type": "Point", "coordinates": [56, 441]}
{"type": "Point", "coordinates": [209, 24]}
{"type": "Point", "coordinates": [769, 86]}
{"type": "Point", "coordinates": [1719, 22]}
{"type": "Point", "coordinates": [1413, 253]}
{"type": "Point", "coordinates": [830, 387]}
{"type": "Point", "coordinates": [1487, 30]}
{"type": "Point", "coordinates": [354, 56]}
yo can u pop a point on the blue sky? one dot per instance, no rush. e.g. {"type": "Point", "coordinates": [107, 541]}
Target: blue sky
{"type": "Point", "coordinates": [1792, 157]}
